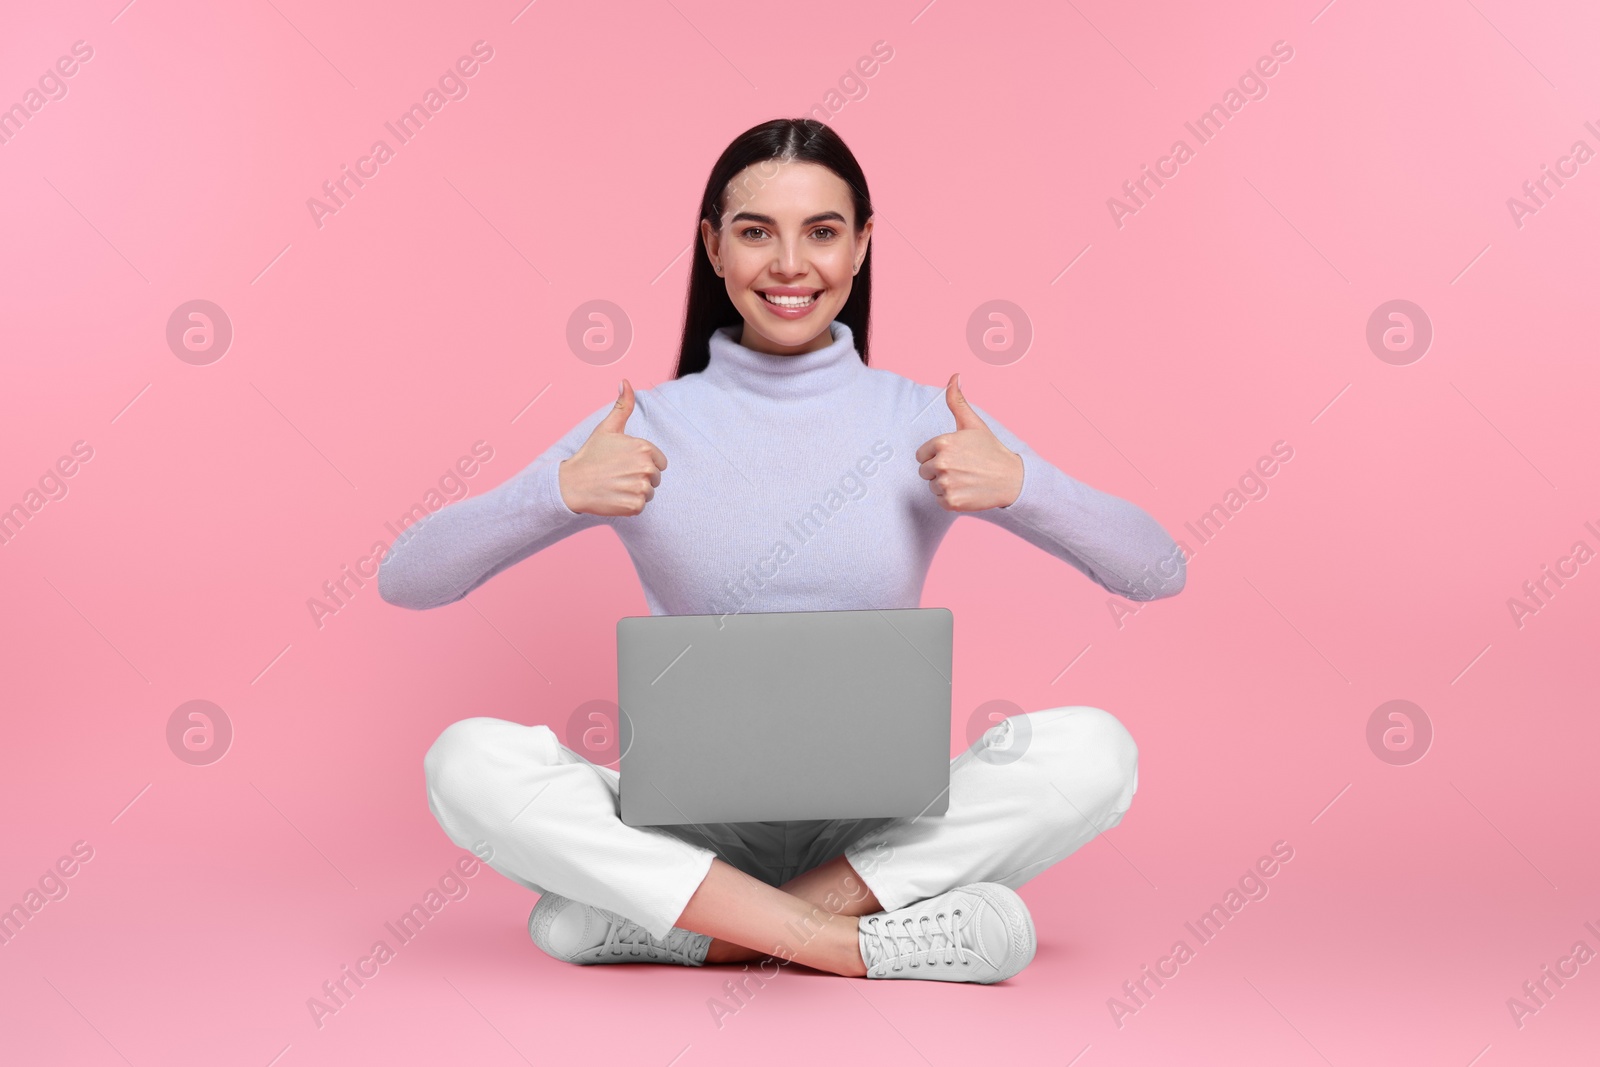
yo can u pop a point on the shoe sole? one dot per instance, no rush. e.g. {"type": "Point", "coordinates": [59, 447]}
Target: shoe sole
{"type": "Point", "coordinates": [1019, 923]}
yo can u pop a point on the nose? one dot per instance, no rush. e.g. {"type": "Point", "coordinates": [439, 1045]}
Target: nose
{"type": "Point", "coordinates": [790, 260]}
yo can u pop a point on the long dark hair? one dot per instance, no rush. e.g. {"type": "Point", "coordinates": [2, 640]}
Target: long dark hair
{"type": "Point", "coordinates": [708, 306]}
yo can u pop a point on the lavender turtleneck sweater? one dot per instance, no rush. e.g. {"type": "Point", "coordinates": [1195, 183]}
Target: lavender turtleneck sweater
{"type": "Point", "coordinates": [792, 485]}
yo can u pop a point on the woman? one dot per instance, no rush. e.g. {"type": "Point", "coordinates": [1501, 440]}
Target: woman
{"type": "Point", "coordinates": [772, 399]}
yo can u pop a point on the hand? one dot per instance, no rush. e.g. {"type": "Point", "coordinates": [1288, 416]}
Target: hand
{"type": "Point", "coordinates": [612, 474]}
{"type": "Point", "coordinates": [970, 469]}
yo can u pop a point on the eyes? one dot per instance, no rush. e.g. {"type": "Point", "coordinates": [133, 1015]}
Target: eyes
{"type": "Point", "coordinates": [828, 230]}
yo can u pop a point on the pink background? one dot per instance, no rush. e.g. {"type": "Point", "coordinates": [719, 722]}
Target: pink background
{"type": "Point", "coordinates": [369, 354]}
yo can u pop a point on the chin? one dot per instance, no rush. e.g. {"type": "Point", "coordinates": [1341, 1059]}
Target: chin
{"type": "Point", "coordinates": [797, 336]}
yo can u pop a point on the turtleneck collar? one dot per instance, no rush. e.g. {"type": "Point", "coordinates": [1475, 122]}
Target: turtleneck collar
{"type": "Point", "coordinates": [732, 365]}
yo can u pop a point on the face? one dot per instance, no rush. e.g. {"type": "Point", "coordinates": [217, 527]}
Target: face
{"type": "Point", "coordinates": [788, 231]}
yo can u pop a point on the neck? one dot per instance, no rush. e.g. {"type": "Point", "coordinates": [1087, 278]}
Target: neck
{"type": "Point", "coordinates": [733, 366]}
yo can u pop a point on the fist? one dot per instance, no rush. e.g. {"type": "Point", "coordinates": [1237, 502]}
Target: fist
{"type": "Point", "coordinates": [612, 474]}
{"type": "Point", "coordinates": [969, 469]}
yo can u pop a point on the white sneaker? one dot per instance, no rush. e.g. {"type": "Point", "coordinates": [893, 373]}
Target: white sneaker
{"type": "Point", "coordinates": [974, 933]}
{"type": "Point", "coordinates": [581, 933]}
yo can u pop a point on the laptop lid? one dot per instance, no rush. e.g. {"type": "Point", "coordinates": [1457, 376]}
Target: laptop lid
{"type": "Point", "coordinates": [785, 715]}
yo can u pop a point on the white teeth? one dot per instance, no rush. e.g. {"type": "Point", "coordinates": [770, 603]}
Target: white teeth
{"type": "Point", "coordinates": [790, 301]}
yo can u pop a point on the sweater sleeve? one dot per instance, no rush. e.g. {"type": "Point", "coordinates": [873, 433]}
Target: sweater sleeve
{"type": "Point", "coordinates": [444, 556]}
{"type": "Point", "coordinates": [1113, 541]}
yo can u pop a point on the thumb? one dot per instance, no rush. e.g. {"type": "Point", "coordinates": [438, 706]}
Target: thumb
{"type": "Point", "coordinates": [617, 418]}
{"type": "Point", "coordinates": [966, 418]}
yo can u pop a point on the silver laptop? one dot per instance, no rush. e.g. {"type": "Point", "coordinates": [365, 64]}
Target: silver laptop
{"type": "Point", "coordinates": [784, 715]}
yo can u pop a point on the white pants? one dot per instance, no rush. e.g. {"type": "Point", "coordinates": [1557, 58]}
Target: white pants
{"type": "Point", "coordinates": [550, 818]}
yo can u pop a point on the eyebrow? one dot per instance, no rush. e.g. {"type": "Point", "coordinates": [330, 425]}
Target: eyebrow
{"type": "Point", "coordinates": [768, 220]}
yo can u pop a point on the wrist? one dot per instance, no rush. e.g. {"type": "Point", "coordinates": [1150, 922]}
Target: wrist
{"type": "Point", "coordinates": [569, 501]}
{"type": "Point", "coordinates": [1021, 468]}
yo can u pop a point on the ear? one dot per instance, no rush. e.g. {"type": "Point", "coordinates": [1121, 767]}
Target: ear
{"type": "Point", "coordinates": [711, 241]}
{"type": "Point", "coordinates": [866, 237]}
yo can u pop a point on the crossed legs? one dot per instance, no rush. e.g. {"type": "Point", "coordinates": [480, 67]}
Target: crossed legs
{"type": "Point", "coordinates": [549, 819]}
{"type": "Point", "coordinates": [814, 909]}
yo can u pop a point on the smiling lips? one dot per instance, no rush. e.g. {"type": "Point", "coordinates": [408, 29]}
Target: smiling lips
{"type": "Point", "coordinates": [790, 297]}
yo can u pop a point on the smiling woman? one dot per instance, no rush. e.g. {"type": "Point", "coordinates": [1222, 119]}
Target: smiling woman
{"type": "Point", "coordinates": [797, 269]}
{"type": "Point", "coordinates": [772, 399]}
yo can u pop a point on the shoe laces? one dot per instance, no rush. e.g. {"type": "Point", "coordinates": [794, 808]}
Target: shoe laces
{"type": "Point", "coordinates": [629, 938]}
{"type": "Point", "coordinates": [908, 940]}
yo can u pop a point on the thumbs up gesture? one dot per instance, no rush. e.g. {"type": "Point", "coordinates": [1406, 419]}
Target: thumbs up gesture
{"type": "Point", "coordinates": [612, 473]}
{"type": "Point", "coordinates": [969, 469]}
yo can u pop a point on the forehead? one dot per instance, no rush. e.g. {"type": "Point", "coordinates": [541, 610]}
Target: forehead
{"type": "Point", "coordinates": [786, 191]}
